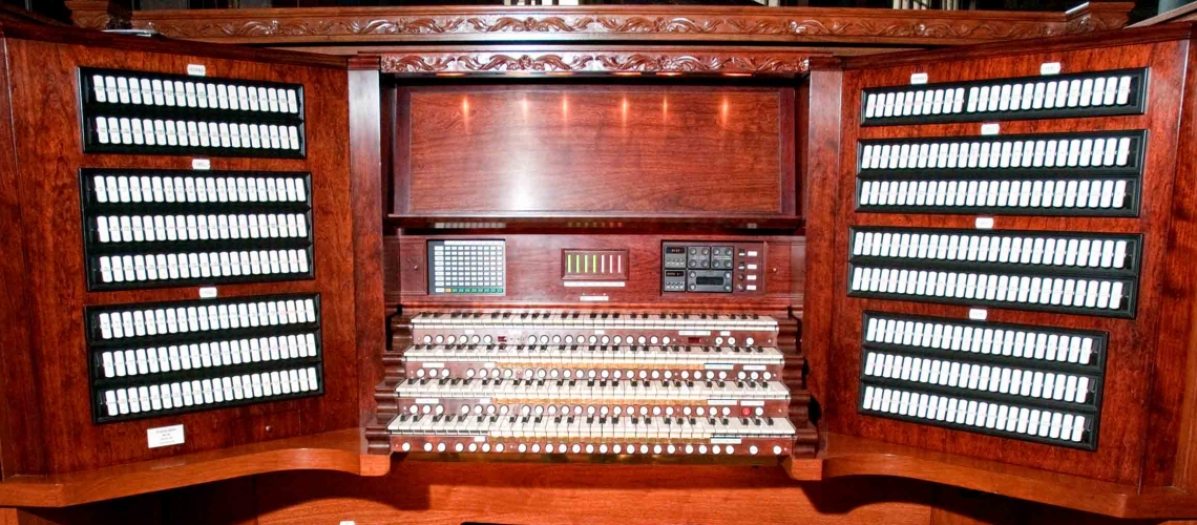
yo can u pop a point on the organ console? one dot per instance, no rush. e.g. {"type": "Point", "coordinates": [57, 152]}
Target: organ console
{"type": "Point", "coordinates": [719, 283]}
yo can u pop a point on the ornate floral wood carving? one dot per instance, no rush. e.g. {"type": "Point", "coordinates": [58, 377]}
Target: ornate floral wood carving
{"type": "Point", "coordinates": [595, 61]}
{"type": "Point", "coordinates": [622, 23]}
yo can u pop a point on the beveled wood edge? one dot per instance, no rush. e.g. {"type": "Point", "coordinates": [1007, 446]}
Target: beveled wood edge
{"type": "Point", "coordinates": [93, 38]}
{"type": "Point", "coordinates": [341, 450]}
{"type": "Point", "coordinates": [1180, 14]}
{"type": "Point", "coordinates": [1111, 38]}
{"type": "Point", "coordinates": [846, 456]}
{"type": "Point", "coordinates": [612, 23]}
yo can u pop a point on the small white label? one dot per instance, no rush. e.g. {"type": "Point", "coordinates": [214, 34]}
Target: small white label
{"type": "Point", "coordinates": [164, 436]}
{"type": "Point", "coordinates": [984, 223]}
{"type": "Point", "coordinates": [752, 403]}
{"type": "Point", "coordinates": [694, 333]}
{"type": "Point", "coordinates": [201, 164]}
{"type": "Point", "coordinates": [978, 314]}
{"type": "Point", "coordinates": [918, 78]}
{"type": "Point", "coordinates": [427, 401]}
{"type": "Point", "coordinates": [991, 128]}
{"type": "Point", "coordinates": [347, 522]}
{"type": "Point", "coordinates": [594, 298]}
{"type": "Point", "coordinates": [718, 366]}
{"type": "Point", "coordinates": [430, 364]}
{"type": "Point", "coordinates": [197, 70]}
{"type": "Point", "coordinates": [208, 292]}
{"type": "Point", "coordinates": [1049, 68]}
{"type": "Point", "coordinates": [594, 284]}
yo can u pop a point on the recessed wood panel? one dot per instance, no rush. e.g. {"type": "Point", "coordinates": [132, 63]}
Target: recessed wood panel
{"type": "Point", "coordinates": [44, 99]}
{"type": "Point", "coordinates": [607, 150]}
{"type": "Point", "coordinates": [1124, 433]}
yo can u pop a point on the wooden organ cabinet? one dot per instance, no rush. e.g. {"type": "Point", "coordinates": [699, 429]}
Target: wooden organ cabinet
{"type": "Point", "coordinates": [592, 283]}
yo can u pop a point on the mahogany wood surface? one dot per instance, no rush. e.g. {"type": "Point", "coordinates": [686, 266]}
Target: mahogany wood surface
{"type": "Point", "coordinates": [340, 450]}
{"type": "Point", "coordinates": [1174, 397]}
{"type": "Point", "coordinates": [20, 415]}
{"type": "Point", "coordinates": [434, 493]}
{"type": "Point", "coordinates": [641, 23]}
{"type": "Point", "coordinates": [850, 457]}
{"type": "Point", "coordinates": [537, 150]}
{"type": "Point", "coordinates": [367, 206]}
{"type": "Point", "coordinates": [1129, 380]}
{"type": "Point", "coordinates": [819, 103]}
{"type": "Point", "coordinates": [45, 111]}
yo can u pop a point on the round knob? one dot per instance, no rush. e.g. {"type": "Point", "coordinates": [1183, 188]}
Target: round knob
{"type": "Point", "coordinates": [753, 450]}
{"type": "Point", "coordinates": [486, 447]}
{"type": "Point", "coordinates": [427, 339]}
{"type": "Point", "coordinates": [749, 341]}
{"type": "Point", "coordinates": [715, 450]}
{"type": "Point", "coordinates": [440, 447]}
{"type": "Point", "coordinates": [536, 448]}
{"type": "Point", "coordinates": [617, 448]}
{"type": "Point", "coordinates": [451, 339]}
{"type": "Point", "coordinates": [729, 449]}
{"type": "Point", "coordinates": [776, 450]}
{"type": "Point", "coordinates": [499, 447]}
{"type": "Point", "coordinates": [590, 449]}
{"type": "Point", "coordinates": [644, 449]}
{"type": "Point", "coordinates": [427, 447]}
{"type": "Point", "coordinates": [523, 448]}
{"type": "Point", "coordinates": [470, 373]}
{"type": "Point", "coordinates": [603, 448]}
{"type": "Point", "coordinates": [473, 447]}
{"type": "Point", "coordinates": [406, 446]}
{"type": "Point", "coordinates": [440, 339]}
{"type": "Point", "coordinates": [575, 448]}
{"type": "Point", "coordinates": [672, 449]}
{"type": "Point", "coordinates": [458, 447]}
{"type": "Point", "coordinates": [702, 449]}
{"type": "Point", "coordinates": [689, 449]}
{"type": "Point", "coordinates": [656, 449]}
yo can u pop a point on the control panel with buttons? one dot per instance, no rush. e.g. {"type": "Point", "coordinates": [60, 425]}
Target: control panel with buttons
{"type": "Point", "coordinates": [467, 267]}
{"type": "Point", "coordinates": [712, 267]}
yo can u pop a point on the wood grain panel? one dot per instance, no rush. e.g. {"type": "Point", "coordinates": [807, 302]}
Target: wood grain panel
{"type": "Point", "coordinates": [1129, 371]}
{"type": "Point", "coordinates": [44, 102]}
{"type": "Point", "coordinates": [651, 150]}
{"type": "Point", "coordinates": [367, 205]}
{"type": "Point", "coordinates": [820, 103]}
{"type": "Point", "coordinates": [24, 425]}
{"type": "Point", "coordinates": [436, 493]}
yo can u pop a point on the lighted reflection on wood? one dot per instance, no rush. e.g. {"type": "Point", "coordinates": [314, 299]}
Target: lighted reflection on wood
{"type": "Point", "coordinates": [597, 148]}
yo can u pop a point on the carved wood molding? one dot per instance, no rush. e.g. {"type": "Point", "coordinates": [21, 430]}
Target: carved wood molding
{"type": "Point", "coordinates": [596, 61]}
{"type": "Point", "coordinates": [100, 14]}
{"type": "Point", "coordinates": [491, 23]}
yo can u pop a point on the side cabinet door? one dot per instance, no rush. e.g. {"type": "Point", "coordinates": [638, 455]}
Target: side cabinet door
{"type": "Point", "coordinates": [1000, 234]}
{"type": "Point", "coordinates": [188, 249]}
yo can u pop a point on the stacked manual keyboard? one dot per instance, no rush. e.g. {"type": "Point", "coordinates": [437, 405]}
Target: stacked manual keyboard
{"type": "Point", "coordinates": [609, 384]}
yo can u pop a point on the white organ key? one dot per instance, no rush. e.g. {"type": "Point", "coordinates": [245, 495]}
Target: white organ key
{"type": "Point", "coordinates": [1123, 90]}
